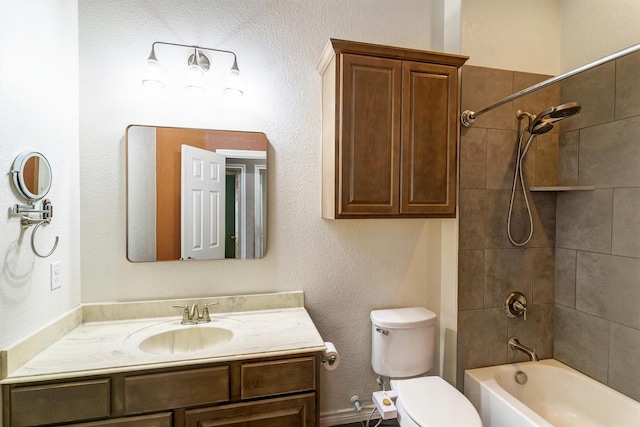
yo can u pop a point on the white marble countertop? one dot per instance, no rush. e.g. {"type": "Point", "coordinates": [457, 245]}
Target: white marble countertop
{"type": "Point", "coordinates": [103, 347]}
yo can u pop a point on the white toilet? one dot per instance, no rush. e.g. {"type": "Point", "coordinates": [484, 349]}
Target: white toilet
{"type": "Point", "coordinates": [402, 347]}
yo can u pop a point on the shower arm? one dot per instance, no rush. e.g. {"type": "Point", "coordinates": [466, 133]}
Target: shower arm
{"type": "Point", "coordinates": [468, 117]}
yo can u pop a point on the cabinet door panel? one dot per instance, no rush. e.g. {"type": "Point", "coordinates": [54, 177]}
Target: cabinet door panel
{"type": "Point", "coordinates": [157, 392]}
{"type": "Point", "coordinates": [369, 143]}
{"type": "Point", "coordinates": [57, 403]}
{"type": "Point", "coordinates": [156, 420]}
{"type": "Point", "coordinates": [294, 411]}
{"type": "Point", "coordinates": [277, 377]}
{"type": "Point", "coordinates": [429, 138]}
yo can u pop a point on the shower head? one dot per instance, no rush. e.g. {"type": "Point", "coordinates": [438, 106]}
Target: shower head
{"type": "Point", "coordinates": [539, 127]}
{"type": "Point", "coordinates": [543, 122]}
{"type": "Point", "coordinates": [565, 110]}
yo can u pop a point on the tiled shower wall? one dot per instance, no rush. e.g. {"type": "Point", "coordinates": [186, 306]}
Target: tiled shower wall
{"type": "Point", "coordinates": [597, 299]}
{"type": "Point", "coordinates": [590, 283]}
{"type": "Point", "coordinates": [490, 267]}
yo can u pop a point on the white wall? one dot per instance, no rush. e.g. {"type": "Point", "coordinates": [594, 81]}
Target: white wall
{"type": "Point", "coordinates": [39, 111]}
{"type": "Point", "coordinates": [546, 36]}
{"type": "Point", "coordinates": [518, 35]}
{"type": "Point", "coordinates": [346, 268]}
{"type": "Point", "coordinates": [592, 29]}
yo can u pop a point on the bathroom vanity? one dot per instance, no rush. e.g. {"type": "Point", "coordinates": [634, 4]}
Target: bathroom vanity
{"type": "Point", "coordinates": [263, 373]}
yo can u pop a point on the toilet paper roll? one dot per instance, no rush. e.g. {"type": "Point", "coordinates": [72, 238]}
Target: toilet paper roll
{"type": "Point", "coordinates": [330, 357]}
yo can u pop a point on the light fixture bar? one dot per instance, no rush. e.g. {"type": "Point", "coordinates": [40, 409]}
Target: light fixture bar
{"type": "Point", "coordinates": [192, 47]}
{"type": "Point", "coordinates": [198, 63]}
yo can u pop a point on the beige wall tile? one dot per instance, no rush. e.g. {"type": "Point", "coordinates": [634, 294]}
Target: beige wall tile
{"type": "Point", "coordinates": [481, 87]}
{"type": "Point", "coordinates": [594, 90]}
{"type": "Point", "coordinates": [584, 220]}
{"type": "Point", "coordinates": [626, 222]}
{"type": "Point", "coordinates": [628, 86]}
{"type": "Point", "coordinates": [610, 154]}
{"type": "Point", "coordinates": [565, 281]}
{"type": "Point", "coordinates": [582, 342]}
{"type": "Point", "coordinates": [607, 287]}
{"type": "Point", "coordinates": [473, 158]}
{"type": "Point", "coordinates": [624, 374]}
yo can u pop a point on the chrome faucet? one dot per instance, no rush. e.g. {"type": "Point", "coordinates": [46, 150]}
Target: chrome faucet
{"type": "Point", "coordinates": [191, 314]}
{"type": "Point", "coordinates": [514, 344]}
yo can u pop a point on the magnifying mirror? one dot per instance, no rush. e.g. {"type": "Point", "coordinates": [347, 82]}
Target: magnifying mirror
{"type": "Point", "coordinates": [32, 175]}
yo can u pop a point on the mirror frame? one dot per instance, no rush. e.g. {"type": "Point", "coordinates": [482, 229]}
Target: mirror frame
{"type": "Point", "coordinates": [18, 171]}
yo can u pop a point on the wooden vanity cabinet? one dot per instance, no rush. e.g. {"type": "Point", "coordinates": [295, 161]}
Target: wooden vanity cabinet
{"type": "Point", "coordinates": [389, 131]}
{"type": "Point", "coordinates": [256, 393]}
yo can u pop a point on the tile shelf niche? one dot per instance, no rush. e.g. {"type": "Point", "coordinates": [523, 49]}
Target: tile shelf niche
{"type": "Point", "coordinates": [565, 188]}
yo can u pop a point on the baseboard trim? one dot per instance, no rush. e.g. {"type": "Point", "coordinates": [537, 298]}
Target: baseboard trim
{"type": "Point", "coordinates": [346, 416]}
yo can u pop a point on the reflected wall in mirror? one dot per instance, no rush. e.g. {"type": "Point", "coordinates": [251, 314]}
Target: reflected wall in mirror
{"type": "Point", "coordinates": [195, 194]}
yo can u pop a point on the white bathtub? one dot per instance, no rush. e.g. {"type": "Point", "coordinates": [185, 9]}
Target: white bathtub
{"type": "Point", "coordinates": [554, 395]}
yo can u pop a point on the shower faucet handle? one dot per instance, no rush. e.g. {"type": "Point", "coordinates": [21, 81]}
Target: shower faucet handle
{"type": "Point", "coordinates": [520, 307]}
{"type": "Point", "coordinates": [516, 305]}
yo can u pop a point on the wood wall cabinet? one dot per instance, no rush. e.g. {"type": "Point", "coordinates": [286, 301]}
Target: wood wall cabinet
{"type": "Point", "coordinates": [256, 393]}
{"type": "Point", "coordinates": [390, 131]}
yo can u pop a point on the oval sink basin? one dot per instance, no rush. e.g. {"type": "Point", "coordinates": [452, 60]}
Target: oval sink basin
{"type": "Point", "coordinates": [187, 339]}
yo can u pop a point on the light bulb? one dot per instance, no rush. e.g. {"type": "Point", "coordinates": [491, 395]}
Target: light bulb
{"type": "Point", "coordinates": [235, 84]}
{"type": "Point", "coordinates": [153, 77]}
{"type": "Point", "coordinates": [195, 79]}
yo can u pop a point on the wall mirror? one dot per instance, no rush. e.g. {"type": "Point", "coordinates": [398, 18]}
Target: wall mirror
{"type": "Point", "coordinates": [195, 194]}
{"type": "Point", "coordinates": [31, 175]}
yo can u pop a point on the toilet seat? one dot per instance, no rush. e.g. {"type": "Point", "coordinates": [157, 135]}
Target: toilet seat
{"type": "Point", "coordinates": [431, 402]}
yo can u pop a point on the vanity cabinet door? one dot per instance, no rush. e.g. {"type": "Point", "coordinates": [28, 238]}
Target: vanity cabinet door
{"type": "Point", "coordinates": [271, 378]}
{"type": "Point", "coordinates": [294, 411]}
{"type": "Point", "coordinates": [179, 389]}
{"type": "Point", "coordinates": [59, 403]}
{"type": "Point", "coordinates": [369, 142]}
{"type": "Point", "coordinates": [155, 420]}
{"type": "Point", "coordinates": [429, 139]}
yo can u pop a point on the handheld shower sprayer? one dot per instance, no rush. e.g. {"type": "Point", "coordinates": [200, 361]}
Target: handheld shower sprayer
{"type": "Point", "coordinates": [538, 125]}
{"type": "Point", "coordinates": [543, 122]}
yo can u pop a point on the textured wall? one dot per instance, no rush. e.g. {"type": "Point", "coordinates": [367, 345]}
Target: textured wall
{"type": "Point", "coordinates": [490, 267]}
{"type": "Point", "coordinates": [39, 112]}
{"type": "Point", "coordinates": [345, 268]}
{"type": "Point", "coordinates": [597, 328]}
{"type": "Point", "coordinates": [592, 29]}
{"type": "Point", "coordinates": [520, 35]}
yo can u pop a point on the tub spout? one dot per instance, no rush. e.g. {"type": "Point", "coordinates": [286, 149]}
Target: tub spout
{"type": "Point", "coordinates": [514, 344]}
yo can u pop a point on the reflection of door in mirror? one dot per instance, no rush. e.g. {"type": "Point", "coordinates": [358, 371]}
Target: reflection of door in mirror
{"type": "Point", "coordinates": [231, 217]}
{"type": "Point", "coordinates": [154, 180]}
{"type": "Point", "coordinates": [202, 217]}
{"type": "Point", "coordinates": [261, 210]}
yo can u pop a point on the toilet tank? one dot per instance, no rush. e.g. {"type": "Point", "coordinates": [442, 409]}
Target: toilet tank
{"type": "Point", "coordinates": [402, 341]}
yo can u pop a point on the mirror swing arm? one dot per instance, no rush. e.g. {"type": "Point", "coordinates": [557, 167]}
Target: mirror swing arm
{"type": "Point", "coordinates": [45, 213]}
{"type": "Point", "coordinates": [26, 221]}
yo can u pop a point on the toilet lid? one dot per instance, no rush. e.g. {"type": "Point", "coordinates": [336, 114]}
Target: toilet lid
{"type": "Point", "coordinates": [431, 401]}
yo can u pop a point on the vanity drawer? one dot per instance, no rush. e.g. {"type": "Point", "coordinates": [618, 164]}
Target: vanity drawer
{"type": "Point", "coordinates": [277, 377]}
{"type": "Point", "coordinates": [155, 420]}
{"type": "Point", "coordinates": [156, 392]}
{"type": "Point", "coordinates": [58, 403]}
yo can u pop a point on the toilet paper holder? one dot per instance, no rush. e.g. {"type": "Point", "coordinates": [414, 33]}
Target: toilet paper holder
{"type": "Point", "coordinates": [330, 357]}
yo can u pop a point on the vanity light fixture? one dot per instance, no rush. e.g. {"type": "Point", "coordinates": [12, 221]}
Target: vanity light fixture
{"type": "Point", "coordinates": [197, 65]}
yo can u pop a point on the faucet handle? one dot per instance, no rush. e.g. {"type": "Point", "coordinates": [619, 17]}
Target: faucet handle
{"type": "Point", "coordinates": [516, 305]}
{"type": "Point", "coordinates": [521, 308]}
{"type": "Point", "coordinates": [185, 312]}
{"type": "Point", "coordinates": [205, 311]}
